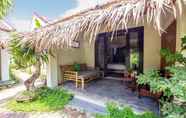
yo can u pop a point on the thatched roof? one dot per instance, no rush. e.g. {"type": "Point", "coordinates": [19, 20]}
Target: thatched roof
{"type": "Point", "coordinates": [107, 16]}
{"type": "Point", "coordinates": [5, 29]}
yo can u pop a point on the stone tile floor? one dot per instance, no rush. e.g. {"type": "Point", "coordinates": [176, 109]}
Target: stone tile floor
{"type": "Point", "coordinates": [99, 92]}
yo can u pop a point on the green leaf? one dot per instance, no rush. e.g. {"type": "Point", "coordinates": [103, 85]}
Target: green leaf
{"type": "Point", "coordinates": [37, 23]}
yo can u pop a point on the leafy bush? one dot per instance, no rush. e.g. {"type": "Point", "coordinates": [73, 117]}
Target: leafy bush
{"type": "Point", "coordinates": [174, 87]}
{"type": "Point", "coordinates": [134, 58]}
{"type": "Point", "coordinates": [178, 56]}
{"type": "Point", "coordinates": [46, 100]}
{"type": "Point", "coordinates": [4, 7]}
{"type": "Point", "coordinates": [172, 110]}
{"type": "Point", "coordinates": [12, 75]}
{"type": "Point", "coordinates": [124, 112]}
{"type": "Point", "coordinates": [155, 81]}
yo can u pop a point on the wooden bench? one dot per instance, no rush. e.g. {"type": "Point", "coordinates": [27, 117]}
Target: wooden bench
{"type": "Point", "coordinates": [81, 77]}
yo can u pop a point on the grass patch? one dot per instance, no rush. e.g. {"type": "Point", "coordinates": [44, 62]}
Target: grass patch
{"type": "Point", "coordinates": [124, 112]}
{"type": "Point", "coordinates": [46, 100]}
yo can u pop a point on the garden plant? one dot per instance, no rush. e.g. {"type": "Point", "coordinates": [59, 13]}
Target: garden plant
{"type": "Point", "coordinates": [173, 103]}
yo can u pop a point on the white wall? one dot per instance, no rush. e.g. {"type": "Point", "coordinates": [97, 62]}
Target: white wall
{"type": "Point", "coordinates": [52, 72]}
{"type": "Point", "coordinates": [5, 61]}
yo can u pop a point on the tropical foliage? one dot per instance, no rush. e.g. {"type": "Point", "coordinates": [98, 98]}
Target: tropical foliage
{"type": "Point", "coordinates": [25, 56]}
{"type": "Point", "coordinates": [155, 82]}
{"type": "Point", "coordinates": [178, 56]}
{"type": "Point", "coordinates": [173, 88]}
{"type": "Point", "coordinates": [45, 100]}
{"type": "Point", "coordinates": [134, 58]}
{"type": "Point", "coordinates": [4, 6]}
{"type": "Point", "coordinates": [115, 111]}
{"type": "Point", "coordinates": [172, 110]}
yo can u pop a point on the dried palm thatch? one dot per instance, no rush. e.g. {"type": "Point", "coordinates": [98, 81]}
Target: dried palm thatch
{"type": "Point", "coordinates": [3, 44]}
{"type": "Point", "coordinates": [108, 16]}
{"type": "Point", "coordinates": [5, 30]}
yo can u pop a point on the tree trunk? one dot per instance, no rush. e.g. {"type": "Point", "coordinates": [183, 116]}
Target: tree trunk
{"type": "Point", "coordinates": [29, 83]}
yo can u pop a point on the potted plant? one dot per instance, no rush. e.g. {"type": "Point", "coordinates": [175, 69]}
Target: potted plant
{"type": "Point", "coordinates": [150, 84]}
{"type": "Point", "coordinates": [130, 71]}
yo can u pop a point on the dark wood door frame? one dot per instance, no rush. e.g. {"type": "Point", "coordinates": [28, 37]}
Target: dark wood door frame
{"type": "Point", "coordinates": [168, 41]}
{"type": "Point", "coordinates": [140, 30]}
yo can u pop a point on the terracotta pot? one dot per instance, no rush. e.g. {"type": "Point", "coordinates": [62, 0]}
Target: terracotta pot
{"type": "Point", "coordinates": [144, 92]}
{"type": "Point", "coordinates": [156, 95]}
{"type": "Point", "coordinates": [147, 93]}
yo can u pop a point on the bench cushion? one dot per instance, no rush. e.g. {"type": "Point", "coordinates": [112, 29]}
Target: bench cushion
{"type": "Point", "coordinates": [87, 74]}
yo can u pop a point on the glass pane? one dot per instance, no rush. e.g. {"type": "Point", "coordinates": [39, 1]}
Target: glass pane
{"type": "Point", "coordinates": [134, 51]}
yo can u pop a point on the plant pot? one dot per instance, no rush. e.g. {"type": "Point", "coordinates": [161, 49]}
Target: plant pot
{"type": "Point", "coordinates": [156, 95]}
{"type": "Point", "coordinates": [147, 93]}
{"type": "Point", "coordinates": [144, 92]}
{"type": "Point", "coordinates": [168, 75]}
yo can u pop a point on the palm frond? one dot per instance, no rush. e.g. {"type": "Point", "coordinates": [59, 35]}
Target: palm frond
{"type": "Point", "coordinates": [4, 6]}
{"type": "Point", "coordinates": [25, 56]}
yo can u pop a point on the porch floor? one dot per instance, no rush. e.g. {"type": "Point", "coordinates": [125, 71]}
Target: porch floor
{"type": "Point", "coordinates": [102, 91]}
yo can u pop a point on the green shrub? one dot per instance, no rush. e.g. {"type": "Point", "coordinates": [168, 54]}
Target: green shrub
{"type": "Point", "coordinates": [47, 100]}
{"type": "Point", "coordinates": [124, 112]}
{"type": "Point", "coordinates": [155, 81]}
{"type": "Point", "coordinates": [172, 110]}
{"type": "Point", "coordinates": [12, 74]}
{"type": "Point", "coordinates": [147, 115]}
{"type": "Point", "coordinates": [174, 88]}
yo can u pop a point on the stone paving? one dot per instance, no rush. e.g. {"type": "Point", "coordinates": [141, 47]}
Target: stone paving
{"type": "Point", "coordinates": [11, 92]}
{"type": "Point", "coordinates": [88, 101]}
{"type": "Point", "coordinates": [100, 92]}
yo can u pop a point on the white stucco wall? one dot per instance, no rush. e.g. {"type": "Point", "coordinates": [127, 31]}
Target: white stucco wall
{"type": "Point", "coordinates": [52, 72]}
{"type": "Point", "coordinates": [152, 46]}
{"type": "Point", "coordinates": [5, 61]}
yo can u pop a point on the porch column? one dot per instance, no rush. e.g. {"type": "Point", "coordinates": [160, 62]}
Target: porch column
{"type": "Point", "coordinates": [5, 61]}
{"type": "Point", "coordinates": [52, 72]}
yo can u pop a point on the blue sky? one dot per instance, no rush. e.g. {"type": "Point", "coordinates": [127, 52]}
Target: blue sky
{"type": "Point", "coordinates": [20, 16]}
{"type": "Point", "coordinates": [23, 9]}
